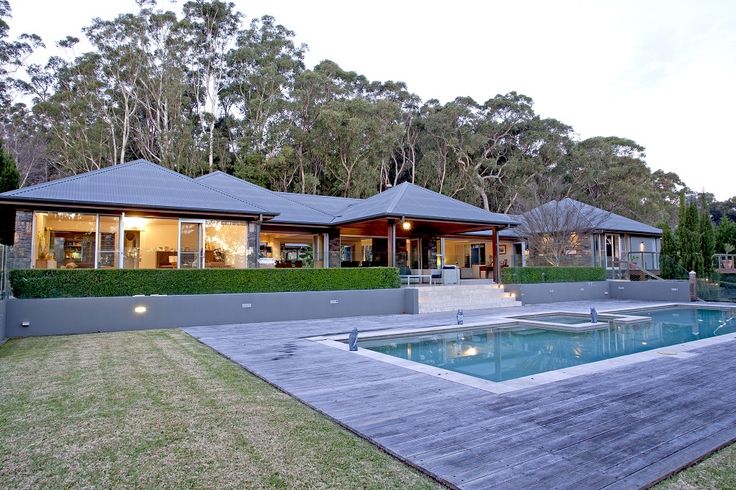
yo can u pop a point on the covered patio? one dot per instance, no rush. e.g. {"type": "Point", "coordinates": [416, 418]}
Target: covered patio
{"type": "Point", "coordinates": [413, 228]}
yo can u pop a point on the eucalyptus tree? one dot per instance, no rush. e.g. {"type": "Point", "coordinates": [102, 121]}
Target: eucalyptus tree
{"type": "Point", "coordinates": [441, 133]}
{"type": "Point", "coordinates": [26, 141]}
{"type": "Point", "coordinates": [313, 91]}
{"type": "Point", "coordinates": [119, 44]}
{"type": "Point", "coordinates": [262, 70]}
{"type": "Point", "coordinates": [164, 129]}
{"type": "Point", "coordinates": [358, 133]}
{"type": "Point", "coordinates": [611, 173]}
{"type": "Point", "coordinates": [211, 27]}
{"type": "Point", "coordinates": [543, 147]}
{"type": "Point", "coordinates": [402, 162]}
{"type": "Point", "coordinates": [13, 53]}
{"type": "Point", "coordinates": [75, 115]}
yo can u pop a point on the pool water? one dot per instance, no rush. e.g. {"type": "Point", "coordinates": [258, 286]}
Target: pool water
{"type": "Point", "coordinates": [504, 353]}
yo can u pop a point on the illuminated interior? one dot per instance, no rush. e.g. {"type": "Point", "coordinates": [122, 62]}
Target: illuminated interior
{"type": "Point", "coordinates": [71, 240]}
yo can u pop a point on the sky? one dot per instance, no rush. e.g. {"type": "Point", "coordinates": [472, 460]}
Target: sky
{"type": "Point", "coordinates": [662, 73]}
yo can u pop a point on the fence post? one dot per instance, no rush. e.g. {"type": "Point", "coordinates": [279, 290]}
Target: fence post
{"type": "Point", "coordinates": [693, 284]}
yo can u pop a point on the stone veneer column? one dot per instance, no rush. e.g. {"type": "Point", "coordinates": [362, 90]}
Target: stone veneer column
{"type": "Point", "coordinates": [19, 255]}
{"type": "Point", "coordinates": [334, 247]}
{"type": "Point", "coordinates": [253, 245]}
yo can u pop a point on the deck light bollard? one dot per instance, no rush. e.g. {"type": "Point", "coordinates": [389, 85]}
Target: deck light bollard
{"type": "Point", "coordinates": [460, 317]}
{"type": "Point", "coordinates": [353, 340]}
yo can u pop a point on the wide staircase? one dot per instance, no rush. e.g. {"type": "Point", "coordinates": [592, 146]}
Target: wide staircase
{"type": "Point", "coordinates": [464, 297]}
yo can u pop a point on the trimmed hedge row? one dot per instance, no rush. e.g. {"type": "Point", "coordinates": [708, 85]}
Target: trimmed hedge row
{"type": "Point", "coordinates": [534, 275]}
{"type": "Point", "coordinates": [67, 283]}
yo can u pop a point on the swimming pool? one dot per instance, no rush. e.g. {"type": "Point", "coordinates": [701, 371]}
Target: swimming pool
{"type": "Point", "coordinates": [501, 353]}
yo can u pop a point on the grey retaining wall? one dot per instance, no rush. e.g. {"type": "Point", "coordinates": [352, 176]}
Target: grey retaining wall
{"type": "Point", "coordinates": [85, 315]}
{"type": "Point", "coordinates": [552, 292]}
{"type": "Point", "coordinates": [675, 291]}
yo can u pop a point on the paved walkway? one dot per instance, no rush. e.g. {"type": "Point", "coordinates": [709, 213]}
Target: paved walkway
{"type": "Point", "coordinates": [622, 428]}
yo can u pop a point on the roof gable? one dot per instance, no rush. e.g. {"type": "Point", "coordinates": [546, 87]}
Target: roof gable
{"type": "Point", "coordinates": [412, 201]}
{"type": "Point", "coordinates": [138, 184]}
{"type": "Point", "coordinates": [599, 219]}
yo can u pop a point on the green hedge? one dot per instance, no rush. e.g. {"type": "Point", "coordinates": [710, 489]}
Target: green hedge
{"type": "Point", "coordinates": [533, 275]}
{"type": "Point", "coordinates": [66, 283]}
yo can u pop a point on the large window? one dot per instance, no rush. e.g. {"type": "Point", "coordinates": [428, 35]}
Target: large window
{"type": "Point", "coordinates": [225, 244]}
{"type": "Point", "coordinates": [65, 240]}
{"type": "Point", "coordinates": [78, 240]}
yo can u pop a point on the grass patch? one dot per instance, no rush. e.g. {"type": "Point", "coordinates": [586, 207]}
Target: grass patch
{"type": "Point", "coordinates": [158, 409]}
{"type": "Point", "coordinates": [716, 471]}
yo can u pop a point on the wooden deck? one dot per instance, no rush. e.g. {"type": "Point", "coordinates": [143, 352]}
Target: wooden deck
{"type": "Point", "coordinates": [622, 428]}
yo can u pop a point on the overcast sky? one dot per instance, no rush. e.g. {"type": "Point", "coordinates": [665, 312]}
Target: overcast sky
{"type": "Point", "coordinates": [662, 73]}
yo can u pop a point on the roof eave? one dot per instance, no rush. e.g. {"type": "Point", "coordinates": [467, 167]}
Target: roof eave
{"type": "Point", "coordinates": [425, 218]}
{"type": "Point", "coordinates": [60, 203]}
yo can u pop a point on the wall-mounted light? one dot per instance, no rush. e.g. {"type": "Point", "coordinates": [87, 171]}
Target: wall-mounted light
{"type": "Point", "coordinates": [140, 309]}
{"type": "Point", "coordinates": [641, 246]}
{"type": "Point", "coordinates": [134, 223]}
{"type": "Point", "coordinates": [406, 225]}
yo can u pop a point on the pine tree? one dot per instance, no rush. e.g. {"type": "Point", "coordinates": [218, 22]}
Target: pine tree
{"type": "Point", "coordinates": [682, 218]}
{"type": "Point", "coordinates": [691, 255]}
{"type": "Point", "coordinates": [9, 176]}
{"type": "Point", "coordinates": [668, 254]}
{"type": "Point", "coordinates": [8, 181]}
{"type": "Point", "coordinates": [707, 239]}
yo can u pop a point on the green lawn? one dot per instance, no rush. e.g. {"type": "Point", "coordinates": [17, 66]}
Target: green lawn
{"type": "Point", "coordinates": [715, 472]}
{"type": "Point", "coordinates": [158, 409]}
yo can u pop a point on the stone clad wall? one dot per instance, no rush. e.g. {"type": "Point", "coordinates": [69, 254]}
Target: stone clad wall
{"type": "Point", "coordinates": [334, 244]}
{"type": "Point", "coordinates": [253, 239]}
{"type": "Point", "coordinates": [19, 255]}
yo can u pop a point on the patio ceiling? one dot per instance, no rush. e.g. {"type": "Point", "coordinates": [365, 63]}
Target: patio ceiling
{"type": "Point", "coordinates": [379, 228]}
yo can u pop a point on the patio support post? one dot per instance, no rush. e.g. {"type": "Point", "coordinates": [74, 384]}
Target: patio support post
{"type": "Point", "coordinates": [523, 254]}
{"type": "Point", "coordinates": [333, 244]}
{"type": "Point", "coordinates": [253, 245]}
{"type": "Point", "coordinates": [391, 243]}
{"type": "Point", "coordinates": [496, 261]}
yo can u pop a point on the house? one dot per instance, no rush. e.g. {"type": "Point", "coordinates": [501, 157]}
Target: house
{"type": "Point", "coordinates": [586, 235]}
{"type": "Point", "coordinates": [141, 215]}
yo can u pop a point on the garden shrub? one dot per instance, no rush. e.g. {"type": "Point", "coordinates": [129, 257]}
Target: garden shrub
{"type": "Point", "coordinates": [68, 283]}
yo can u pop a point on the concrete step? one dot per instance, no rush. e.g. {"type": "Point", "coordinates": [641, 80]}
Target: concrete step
{"type": "Point", "coordinates": [466, 297]}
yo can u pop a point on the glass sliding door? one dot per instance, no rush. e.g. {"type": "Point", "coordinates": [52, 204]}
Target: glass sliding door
{"type": "Point", "coordinates": [191, 240]}
{"type": "Point", "coordinates": [108, 242]}
{"type": "Point", "coordinates": [415, 253]}
{"type": "Point", "coordinates": [612, 250]}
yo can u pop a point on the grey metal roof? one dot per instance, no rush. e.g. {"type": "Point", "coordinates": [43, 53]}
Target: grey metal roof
{"type": "Point", "coordinates": [289, 210]}
{"type": "Point", "coordinates": [139, 184]}
{"type": "Point", "coordinates": [329, 204]}
{"type": "Point", "coordinates": [412, 201]}
{"type": "Point", "coordinates": [601, 219]}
